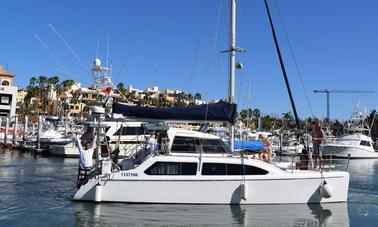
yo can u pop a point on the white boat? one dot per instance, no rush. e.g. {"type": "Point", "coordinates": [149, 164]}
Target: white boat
{"type": "Point", "coordinates": [125, 135]}
{"type": "Point", "coordinates": [354, 143]}
{"type": "Point", "coordinates": [207, 174]}
{"type": "Point", "coordinates": [357, 145]}
{"type": "Point", "coordinates": [69, 150]}
{"type": "Point", "coordinates": [196, 168]}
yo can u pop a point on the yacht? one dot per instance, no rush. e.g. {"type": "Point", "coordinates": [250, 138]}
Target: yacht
{"type": "Point", "coordinates": [127, 136]}
{"type": "Point", "coordinates": [197, 168]}
{"type": "Point", "coordinates": [355, 142]}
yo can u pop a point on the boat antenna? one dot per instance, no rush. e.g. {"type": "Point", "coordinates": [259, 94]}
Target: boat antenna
{"type": "Point", "coordinates": [97, 49]}
{"type": "Point", "coordinates": [283, 67]}
{"type": "Point", "coordinates": [107, 51]}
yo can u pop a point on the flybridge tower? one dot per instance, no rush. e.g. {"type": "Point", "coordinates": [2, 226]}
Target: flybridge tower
{"type": "Point", "coordinates": [101, 78]}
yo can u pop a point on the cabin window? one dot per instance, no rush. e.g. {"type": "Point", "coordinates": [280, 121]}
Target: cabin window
{"type": "Point", "coordinates": [183, 144]}
{"type": "Point", "coordinates": [214, 169]}
{"type": "Point", "coordinates": [236, 169]}
{"type": "Point", "coordinates": [365, 143]}
{"type": "Point", "coordinates": [231, 169]}
{"type": "Point", "coordinates": [172, 168]}
{"type": "Point", "coordinates": [128, 131]}
{"type": "Point", "coordinates": [212, 146]}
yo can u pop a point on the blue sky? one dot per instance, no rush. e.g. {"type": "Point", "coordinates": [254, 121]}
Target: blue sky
{"type": "Point", "coordinates": [176, 44]}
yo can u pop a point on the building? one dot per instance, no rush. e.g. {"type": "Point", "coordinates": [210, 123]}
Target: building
{"type": "Point", "coordinates": [170, 94]}
{"type": "Point", "coordinates": [153, 92]}
{"type": "Point", "coordinates": [137, 93]}
{"type": "Point", "coordinates": [8, 93]}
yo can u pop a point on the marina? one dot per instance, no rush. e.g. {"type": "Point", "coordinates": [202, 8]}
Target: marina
{"type": "Point", "coordinates": [53, 179]}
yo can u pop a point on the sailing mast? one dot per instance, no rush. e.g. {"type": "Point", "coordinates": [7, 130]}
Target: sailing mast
{"type": "Point", "coordinates": [232, 67]}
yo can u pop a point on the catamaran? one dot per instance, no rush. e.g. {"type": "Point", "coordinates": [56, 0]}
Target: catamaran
{"type": "Point", "coordinates": [196, 168]}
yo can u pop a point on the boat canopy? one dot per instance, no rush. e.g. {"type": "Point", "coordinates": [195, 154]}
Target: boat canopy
{"type": "Point", "coordinates": [221, 111]}
{"type": "Point", "coordinates": [253, 145]}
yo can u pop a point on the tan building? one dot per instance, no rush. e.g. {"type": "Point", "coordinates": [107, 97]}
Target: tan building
{"type": "Point", "coordinates": [6, 77]}
{"type": "Point", "coordinates": [170, 94]}
{"type": "Point", "coordinates": [21, 94]}
{"type": "Point", "coordinates": [8, 93]}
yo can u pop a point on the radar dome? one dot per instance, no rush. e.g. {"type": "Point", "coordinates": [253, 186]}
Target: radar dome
{"type": "Point", "coordinates": [97, 62]}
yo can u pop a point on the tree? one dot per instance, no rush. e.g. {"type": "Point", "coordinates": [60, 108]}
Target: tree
{"type": "Point", "coordinates": [32, 81]}
{"type": "Point", "coordinates": [197, 96]}
{"type": "Point", "coordinates": [122, 90]}
{"type": "Point", "coordinates": [256, 113]}
{"type": "Point", "coordinates": [66, 84]}
{"type": "Point", "coordinates": [190, 98]}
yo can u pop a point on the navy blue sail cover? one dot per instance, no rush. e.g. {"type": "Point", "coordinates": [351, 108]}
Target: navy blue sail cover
{"type": "Point", "coordinates": [221, 111]}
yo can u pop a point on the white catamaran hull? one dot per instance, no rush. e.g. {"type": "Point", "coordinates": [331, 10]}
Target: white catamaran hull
{"type": "Point", "coordinates": [294, 188]}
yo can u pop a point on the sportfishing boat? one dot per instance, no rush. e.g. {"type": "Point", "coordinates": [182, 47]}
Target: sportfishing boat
{"type": "Point", "coordinates": [355, 142]}
{"type": "Point", "coordinates": [197, 168]}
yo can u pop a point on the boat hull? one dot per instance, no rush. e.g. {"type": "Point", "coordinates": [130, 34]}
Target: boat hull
{"type": "Point", "coordinates": [343, 151]}
{"type": "Point", "coordinates": [293, 188]}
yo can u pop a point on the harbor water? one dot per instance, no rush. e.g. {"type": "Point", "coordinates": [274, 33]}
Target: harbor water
{"type": "Point", "coordinates": [38, 191]}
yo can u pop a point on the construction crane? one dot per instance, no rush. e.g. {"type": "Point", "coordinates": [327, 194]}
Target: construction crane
{"type": "Point", "coordinates": [328, 91]}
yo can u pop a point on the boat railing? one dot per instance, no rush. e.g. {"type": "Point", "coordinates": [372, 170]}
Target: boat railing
{"type": "Point", "coordinates": [327, 163]}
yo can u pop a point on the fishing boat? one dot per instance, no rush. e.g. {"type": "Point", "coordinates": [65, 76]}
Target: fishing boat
{"type": "Point", "coordinates": [197, 168]}
{"type": "Point", "coordinates": [355, 142]}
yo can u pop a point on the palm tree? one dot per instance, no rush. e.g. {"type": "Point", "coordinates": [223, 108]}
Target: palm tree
{"type": "Point", "coordinates": [287, 117]}
{"type": "Point", "coordinates": [67, 84]}
{"type": "Point", "coordinates": [197, 96]}
{"type": "Point", "coordinates": [190, 98]}
{"type": "Point", "coordinates": [32, 81]}
{"type": "Point", "coordinates": [42, 81]}
{"type": "Point", "coordinates": [256, 113]}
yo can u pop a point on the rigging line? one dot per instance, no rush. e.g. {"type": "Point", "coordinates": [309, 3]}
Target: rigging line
{"type": "Point", "coordinates": [69, 47]}
{"type": "Point", "coordinates": [294, 58]}
{"type": "Point", "coordinates": [244, 99]}
{"type": "Point", "coordinates": [57, 60]}
{"type": "Point", "coordinates": [126, 60]}
{"type": "Point", "coordinates": [240, 86]}
{"type": "Point", "coordinates": [214, 52]}
{"type": "Point", "coordinates": [198, 48]}
{"type": "Point", "coordinates": [49, 51]}
{"type": "Point", "coordinates": [73, 75]}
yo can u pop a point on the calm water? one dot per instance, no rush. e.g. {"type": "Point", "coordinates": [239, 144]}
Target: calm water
{"type": "Point", "coordinates": [37, 191]}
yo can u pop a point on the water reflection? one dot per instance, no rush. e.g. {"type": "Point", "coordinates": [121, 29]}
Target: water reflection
{"type": "Point", "coordinates": [334, 214]}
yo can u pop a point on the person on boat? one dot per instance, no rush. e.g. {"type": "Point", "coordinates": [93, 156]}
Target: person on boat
{"type": "Point", "coordinates": [152, 143]}
{"type": "Point", "coordinates": [86, 159]}
{"type": "Point", "coordinates": [267, 151]}
{"type": "Point", "coordinates": [317, 138]}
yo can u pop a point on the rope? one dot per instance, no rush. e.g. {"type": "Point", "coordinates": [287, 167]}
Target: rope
{"type": "Point", "coordinates": [294, 58]}
{"type": "Point", "coordinates": [198, 48]}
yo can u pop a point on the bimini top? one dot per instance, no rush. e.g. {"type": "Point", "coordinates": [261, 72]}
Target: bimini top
{"type": "Point", "coordinates": [221, 111]}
